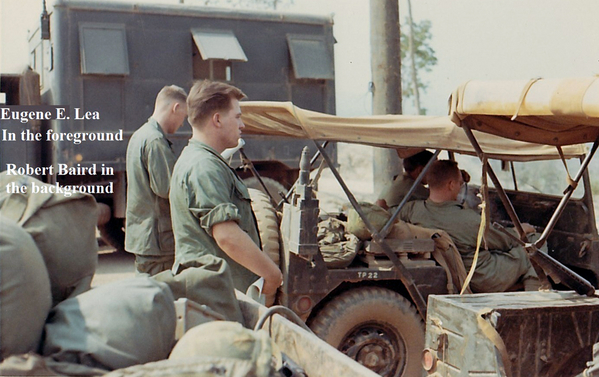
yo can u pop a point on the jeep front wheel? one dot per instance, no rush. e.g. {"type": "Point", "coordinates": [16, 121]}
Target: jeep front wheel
{"type": "Point", "coordinates": [375, 326]}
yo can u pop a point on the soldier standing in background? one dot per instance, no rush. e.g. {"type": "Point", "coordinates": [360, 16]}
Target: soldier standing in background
{"type": "Point", "coordinates": [150, 162]}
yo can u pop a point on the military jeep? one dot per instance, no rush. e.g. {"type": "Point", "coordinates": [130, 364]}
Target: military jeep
{"type": "Point", "coordinates": [550, 333]}
{"type": "Point", "coordinates": [374, 307]}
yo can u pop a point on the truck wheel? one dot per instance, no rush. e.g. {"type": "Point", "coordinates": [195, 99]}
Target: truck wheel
{"type": "Point", "coordinates": [273, 186]}
{"type": "Point", "coordinates": [375, 326]}
{"type": "Point", "coordinates": [268, 227]}
{"type": "Point", "coordinates": [112, 233]}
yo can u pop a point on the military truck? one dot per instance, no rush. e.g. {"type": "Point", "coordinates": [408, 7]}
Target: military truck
{"type": "Point", "coordinates": [104, 62]}
{"type": "Point", "coordinates": [373, 308]}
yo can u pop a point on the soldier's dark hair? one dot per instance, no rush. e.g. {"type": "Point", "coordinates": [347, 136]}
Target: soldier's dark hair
{"type": "Point", "coordinates": [419, 159]}
{"type": "Point", "coordinates": [441, 172]}
{"type": "Point", "coordinates": [208, 97]}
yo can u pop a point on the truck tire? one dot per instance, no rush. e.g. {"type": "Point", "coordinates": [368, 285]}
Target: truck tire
{"type": "Point", "coordinates": [273, 186]}
{"type": "Point", "coordinates": [375, 326]}
{"type": "Point", "coordinates": [268, 227]}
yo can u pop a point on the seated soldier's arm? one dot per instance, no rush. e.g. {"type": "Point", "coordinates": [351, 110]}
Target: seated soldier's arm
{"type": "Point", "coordinates": [238, 245]}
{"type": "Point", "coordinates": [498, 240]}
{"type": "Point", "coordinates": [382, 203]}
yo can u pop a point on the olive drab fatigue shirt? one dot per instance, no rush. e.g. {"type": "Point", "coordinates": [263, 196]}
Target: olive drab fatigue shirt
{"type": "Point", "coordinates": [206, 191]}
{"type": "Point", "coordinates": [150, 162]}
{"type": "Point", "coordinates": [399, 188]}
{"type": "Point", "coordinates": [499, 266]}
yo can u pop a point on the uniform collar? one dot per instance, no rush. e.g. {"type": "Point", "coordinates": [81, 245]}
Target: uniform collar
{"type": "Point", "coordinates": [202, 145]}
{"type": "Point", "coordinates": [156, 125]}
{"type": "Point", "coordinates": [449, 203]}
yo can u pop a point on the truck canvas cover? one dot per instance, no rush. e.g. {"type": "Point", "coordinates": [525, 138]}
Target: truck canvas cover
{"type": "Point", "coordinates": [547, 111]}
{"type": "Point", "coordinates": [406, 133]}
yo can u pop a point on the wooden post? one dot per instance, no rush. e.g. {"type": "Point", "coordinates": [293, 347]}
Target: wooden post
{"type": "Point", "coordinates": [386, 80]}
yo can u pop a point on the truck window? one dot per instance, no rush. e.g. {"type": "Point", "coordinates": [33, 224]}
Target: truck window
{"type": "Point", "coordinates": [310, 57]}
{"type": "Point", "coordinates": [103, 49]}
{"type": "Point", "coordinates": [214, 51]}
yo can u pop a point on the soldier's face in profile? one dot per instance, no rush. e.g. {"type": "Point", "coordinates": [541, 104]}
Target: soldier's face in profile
{"type": "Point", "coordinates": [231, 124]}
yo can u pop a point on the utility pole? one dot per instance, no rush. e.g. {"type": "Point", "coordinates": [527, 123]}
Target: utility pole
{"type": "Point", "coordinates": [386, 80]}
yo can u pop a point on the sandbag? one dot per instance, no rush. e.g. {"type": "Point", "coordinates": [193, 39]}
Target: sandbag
{"type": "Point", "coordinates": [63, 228]}
{"type": "Point", "coordinates": [32, 364]}
{"type": "Point", "coordinates": [199, 366]}
{"type": "Point", "coordinates": [206, 280]}
{"type": "Point", "coordinates": [25, 298]}
{"type": "Point", "coordinates": [230, 340]}
{"type": "Point", "coordinates": [113, 326]}
{"type": "Point", "coordinates": [377, 216]}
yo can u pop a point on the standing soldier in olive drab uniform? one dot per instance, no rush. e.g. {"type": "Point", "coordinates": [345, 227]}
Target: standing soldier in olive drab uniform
{"type": "Point", "coordinates": [502, 263]}
{"type": "Point", "coordinates": [150, 162]}
{"type": "Point", "coordinates": [211, 206]}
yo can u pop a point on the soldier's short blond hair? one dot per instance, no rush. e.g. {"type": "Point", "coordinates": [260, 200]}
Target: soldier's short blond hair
{"type": "Point", "coordinates": [171, 93]}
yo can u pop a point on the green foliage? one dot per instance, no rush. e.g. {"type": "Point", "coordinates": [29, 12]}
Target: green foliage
{"type": "Point", "coordinates": [424, 55]}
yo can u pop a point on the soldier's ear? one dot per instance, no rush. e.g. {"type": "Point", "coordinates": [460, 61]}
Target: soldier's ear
{"type": "Point", "coordinates": [451, 183]}
{"type": "Point", "coordinates": [175, 107]}
{"type": "Point", "coordinates": [216, 119]}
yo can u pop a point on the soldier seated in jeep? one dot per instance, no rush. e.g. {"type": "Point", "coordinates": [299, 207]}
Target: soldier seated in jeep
{"type": "Point", "coordinates": [391, 196]}
{"type": "Point", "coordinates": [500, 265]}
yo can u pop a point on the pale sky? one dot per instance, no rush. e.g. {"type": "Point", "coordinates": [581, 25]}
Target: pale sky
{"type": "Point", "coordinates": [473, 39]}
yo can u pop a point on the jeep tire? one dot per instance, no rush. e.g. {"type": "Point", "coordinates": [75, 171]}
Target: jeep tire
{"type": "Point", "coordinates": [268, 227]}
{"type": "Point", "coordinates": [375, 326]}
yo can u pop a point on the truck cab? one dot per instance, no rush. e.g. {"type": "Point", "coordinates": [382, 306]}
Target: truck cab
{"type": "Point", "coordinates": [110, 59]}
